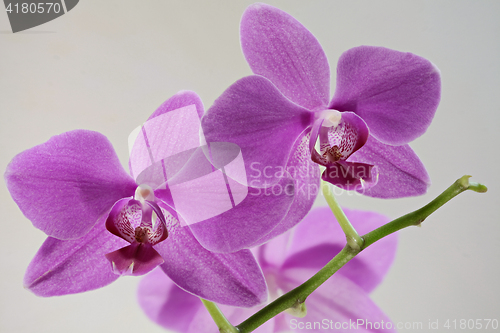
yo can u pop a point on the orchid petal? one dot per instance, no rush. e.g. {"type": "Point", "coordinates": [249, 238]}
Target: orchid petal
{"type": "Point", "coordinates": [157, 174]}
{"type": "Point", "coordinates": [281, 49]}
{"type": "Point", "coordinates": [160, 232]}
{"type": "Point", "coordinates": [135, 259]}
{"type": "Point", "coordinates": [119, 218]}
{"type": "Point", "coordinates": [244, 224]}
{"type": "Point", "coordinates": [401, 173]}
{"type": "Point", "coordinates": [253, 114]}
{"type": "Point", "coordinates": [174, 309]}
{"type": "Point", "coordinates": [273, 254]}
{"type": "Point", "coordinates": [306, 175]}
{"type": "Point", "coordinates": [226, 278]}
{"type": "Point", "coordinates": [318, 238]}
{"type": "Point", "coordinates": [396, 93]}
{"type": "Point", "coordinates": [166, 304]}
{"type": "Point", "coordinates": [173, 128]}
{"type": "Point", "coordinates": [216, 175]}
{"type": "Point", "coordinates": [351, 176]}
{"type": "Point", "coordinates": [64, 185]}
{"type": "Point", "coordinates": [181, 99]}
{"type": "Point", "coordinates": [339, 300]}
{"type": "Point", "coordinates": [315, 130]}
{"type": "Point", "coordinates": [64, 267]}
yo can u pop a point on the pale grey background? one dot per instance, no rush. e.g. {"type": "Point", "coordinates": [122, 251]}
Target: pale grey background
{"type": "Point", "coordinates": [106, 65]}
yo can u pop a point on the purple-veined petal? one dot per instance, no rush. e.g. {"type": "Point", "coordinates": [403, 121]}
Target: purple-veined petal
{"type": "Point", "coordinates": [340, 301]}
{"type": "Point", "coordinates": [160, 232]}
{"type": "Point", "coordinates": [121, 217]}
{"type": "Point", "coordinates": [396, 93]}
{"type": "Point", "coordinates": [171, 307]}
{"type": "Point", "coordinates": [241, 226]}
{"type": "Point", "coordinates": [210, 183]}
{"type": "Point", "coordinates": [64, 185]}
{"type": "Point", "coordinates": [282, 323]}
{"type": "Point", "coordinates": [349, 135]}
{"type": "Point", "coordinates": [173, 128]}
{"type": "Point", "coordinates": [401, 173]}
{"type": "Point", "coordinates": [64, 267]}
{"type": "Point", "coordinates": [318, 238]}
{"type": "Point", "coordinates": [315, 129]}
{"type": "Point", "coordinates": [273, 254]}
{"type": "Point", "coordinates": [306, 175]}
{"type": "Point", "coordinates": [226, 278]}
{"type": "Point", "coordinates": [135, 259]}
{"type": "Point", "coordinates": [281, 49]}
{"type": "Point", "coordinates": [351, 176]}
{"type": "Point", "coordinates": [166, 304]}
{"type": "Point", "coordinates": [157, 174]}
{"type": "Point", "coordinates": [181, 99]}
{"type": "Point", "coordinates": [253, 114]}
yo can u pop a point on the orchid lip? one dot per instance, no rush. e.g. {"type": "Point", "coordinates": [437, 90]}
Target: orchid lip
{"type": "Point", "coordinates": [343, 134]}
{"type": "Point", "coordinates": [139, 221]}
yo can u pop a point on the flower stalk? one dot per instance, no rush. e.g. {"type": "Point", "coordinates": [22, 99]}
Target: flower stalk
{"type": "Point", "coordinates": [417, 217]}
{"type": "Point", "coordinates": [299, 294]}
{"type": "Point", "coordinates": [220, 320]}
{"type": "Point", "coordinates": [352, 236]}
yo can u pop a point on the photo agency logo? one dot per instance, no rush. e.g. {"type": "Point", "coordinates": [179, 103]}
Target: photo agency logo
{"type": "Point", "coordinates": [200, 179]}
{"type": "Point", "coordinates": [25, 14]}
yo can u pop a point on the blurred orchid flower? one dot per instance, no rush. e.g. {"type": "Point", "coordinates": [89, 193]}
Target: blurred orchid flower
{"type": "Point", "coordinates": [341, 303]}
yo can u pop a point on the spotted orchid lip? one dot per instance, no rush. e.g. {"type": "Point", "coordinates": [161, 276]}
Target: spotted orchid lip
{"type": "Point", "coordinates": [135, 259]}
{"type": "Point", "coordinates": [337, 142]}
{"type": "Point", "coordinates": [132, 220]}
{"type": "Point", "coordinates": [129, 214]}
{"type": "Point", "coordinates": [343, 134]}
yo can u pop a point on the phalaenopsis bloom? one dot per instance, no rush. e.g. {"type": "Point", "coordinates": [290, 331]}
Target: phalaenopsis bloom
{"type": "Point", "coordinates": [103, 222]}
{"type": "Point", "coordinates": [383, 99]}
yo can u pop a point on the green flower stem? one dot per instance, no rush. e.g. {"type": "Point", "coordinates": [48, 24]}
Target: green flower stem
{"type": "Point", "coordinates": [220, 320]}
{"type": "Point", "coordinates": [418, 216]}
{"type": "Point", "coordinates": [353, 239]}
{"type": "Point", "coordinates": [299, 294]}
